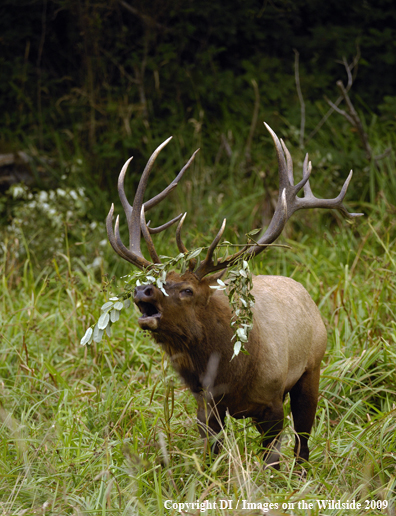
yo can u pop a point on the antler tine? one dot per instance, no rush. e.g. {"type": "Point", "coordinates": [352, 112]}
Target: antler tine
{"type": "Point", "coordinates": [154, 231]}
{"type": "Point", "coordinates": [134, 219]}
{"type": "Point", "coordinates": [182, 248]}
{"type": "Point", "coordinates": [147, 238]}
{"type": "Point", "coordinates": [121, 190]}
{"type": "Point", "coordinates": [158, 198]}
{"type": "Point", "coordinates": [307, 169]}
{"type": "Point", "coordinates": [285, 168]}
{"type": "Point", "coordinates": [207, 264]}
{"type": "Point", "coordinates": [289, 162]}
{"type": "Point", "coordinates": [180, 245]}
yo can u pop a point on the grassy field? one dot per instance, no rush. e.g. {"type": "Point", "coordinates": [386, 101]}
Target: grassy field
{"type": "Point", "coordinates": [110, 429]}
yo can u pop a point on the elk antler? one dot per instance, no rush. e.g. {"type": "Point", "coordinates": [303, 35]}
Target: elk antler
{"type": "Point", "coordinates": [136, 214]}
{"type": "Point", "coordinates": [287, 204]}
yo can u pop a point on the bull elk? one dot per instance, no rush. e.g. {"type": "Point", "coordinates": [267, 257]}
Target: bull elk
{"type": "Point", "coordinates": [192, 323]}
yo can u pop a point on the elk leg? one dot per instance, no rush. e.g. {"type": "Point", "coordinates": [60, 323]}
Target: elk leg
{"type": "Point", "coordinates": [270, 424]}
{"type": "Point", "coordinates": [210, 423]}
{"type": "Point", "coordinates": [303, 401]}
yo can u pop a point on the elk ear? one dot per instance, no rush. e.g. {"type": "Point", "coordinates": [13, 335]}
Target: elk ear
{"type": "Point", "coordinates": [212, 279]}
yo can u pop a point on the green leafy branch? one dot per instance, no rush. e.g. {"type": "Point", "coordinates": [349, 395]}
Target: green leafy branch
{"type": "Point", "coordinates": [238, 288]}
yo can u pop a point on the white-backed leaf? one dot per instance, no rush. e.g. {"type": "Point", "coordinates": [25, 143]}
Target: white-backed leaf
{"type": "Point", "coordinates": [119, 305]}
{"type": "Point", "coordinates": [114, 299]}
{"type": "Point", "coordinates": [237, 349]}
{"type": "Point", "coordinates": [107, 306]}
{"type": "Point", "coordinates": [254, 232]}
{"type": "Point", "coordinates": [87, 337]}
{"type": "Point", "coordinates": [103, 321]}
{"type": "Point", "coordinates": [194, 253]}
{"type": "Point", "coordinates": [127, 303]}
{"type": "Point", "coordinates": [220, 282]}
{"type": "Point", "coordinates": [97, 334]}
{"type": "Point", "coordinates": [164, 292]}
{"type": "Point", "coordinates": [114, 315]}
{"type": "Point", "coordinates": [108, 330]}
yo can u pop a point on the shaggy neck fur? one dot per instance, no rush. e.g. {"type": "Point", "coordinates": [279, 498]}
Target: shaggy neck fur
{"type": "Point", "coordinates": [191, 347]}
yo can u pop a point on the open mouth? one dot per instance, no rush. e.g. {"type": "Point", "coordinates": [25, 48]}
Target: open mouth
{"type": "Point", "coordinates": [150, 317]}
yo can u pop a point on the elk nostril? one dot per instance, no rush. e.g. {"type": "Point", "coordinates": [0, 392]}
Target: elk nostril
{"type": "Point", "coordinates": [144, 291]}
{"type": "Point", "coordinates": [148, 291]}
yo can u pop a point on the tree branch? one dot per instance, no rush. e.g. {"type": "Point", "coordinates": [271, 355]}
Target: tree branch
{"type": "Point", "coordinates": [300, 96]}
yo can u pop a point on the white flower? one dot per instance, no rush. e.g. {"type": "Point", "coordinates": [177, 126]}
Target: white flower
{"type": "Point", "coordinates": [18, 191]}
{"type": "Point", "coordinates": [97, 262]}
{"type": "Point", "coordinates": [43, 196]}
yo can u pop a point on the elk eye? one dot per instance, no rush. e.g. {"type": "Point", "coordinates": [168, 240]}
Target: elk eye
{"type": "Point", "coordinates": [186, 292]}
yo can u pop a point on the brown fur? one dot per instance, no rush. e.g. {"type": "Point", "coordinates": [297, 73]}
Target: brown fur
{"type": "Point", "coordinates": [285, 348]}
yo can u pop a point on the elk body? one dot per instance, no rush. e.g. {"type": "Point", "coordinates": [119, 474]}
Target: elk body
{"type": "Point", "coordinates": [192, 323]}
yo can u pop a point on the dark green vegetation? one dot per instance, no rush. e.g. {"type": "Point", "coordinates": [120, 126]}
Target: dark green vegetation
{"type": "Point", "coordinates": [109, 429]}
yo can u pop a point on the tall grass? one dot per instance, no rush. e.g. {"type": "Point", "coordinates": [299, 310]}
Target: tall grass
{"type": "Point", "coordinates": [110, 429]}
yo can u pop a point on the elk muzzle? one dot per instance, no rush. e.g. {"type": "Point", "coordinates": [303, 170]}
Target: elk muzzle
{"type": "Point", "coordinates": [146, 299]}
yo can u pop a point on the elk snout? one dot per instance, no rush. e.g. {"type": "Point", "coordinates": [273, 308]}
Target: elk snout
{"type": "Point", "coordinates": [144, 293]}
{"type": "Point", "coordinates": [145, 297]}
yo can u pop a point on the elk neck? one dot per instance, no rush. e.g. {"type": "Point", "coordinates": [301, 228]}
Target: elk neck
{"type": "Point", "coordinates": [192, 348]}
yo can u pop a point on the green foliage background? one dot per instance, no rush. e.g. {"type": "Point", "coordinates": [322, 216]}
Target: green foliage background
{"type": "Point", "coordinates": [103, 80]}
